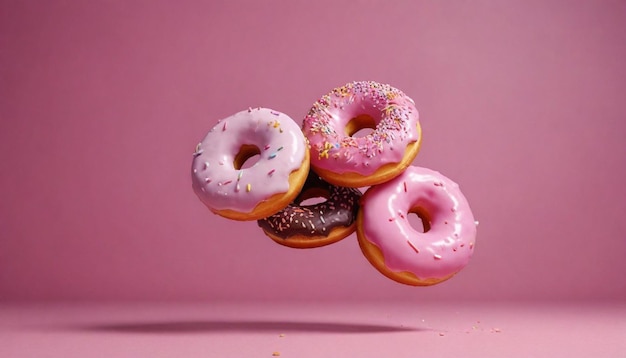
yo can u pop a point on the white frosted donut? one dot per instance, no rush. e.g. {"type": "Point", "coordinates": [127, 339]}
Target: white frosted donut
{"type": "Point", "coordinates": [263, 189]}
{"type": "Point", "coordinates": [404, 254]}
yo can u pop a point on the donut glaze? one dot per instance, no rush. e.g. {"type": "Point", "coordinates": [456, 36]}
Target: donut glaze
{"type": "Point", "coordinates": [307, 226]}
{"type": "Point", "coordinates": [401, 252]}
{"type": "Point", "coordinates": [333, 119]}
{"type": "Point", "coordinates": [220, 182]}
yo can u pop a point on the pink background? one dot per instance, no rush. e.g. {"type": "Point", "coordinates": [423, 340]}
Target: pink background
{"type": "Point", "coordinates": [102, 104]}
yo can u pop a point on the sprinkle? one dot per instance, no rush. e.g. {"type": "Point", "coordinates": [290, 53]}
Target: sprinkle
{"type": "Point", "coordinates": [198, 152]}
{"type": "Point", "coordinates": [405, 187]}
{"type": "Point", "coordinates": [303, 225]}
{"type": "Point", "coordinates": [227, 182]}
{"type": "Point", "coordinates": [239, 175]}
{"type": "Point", "coordinates": [206, 165]}
{"type": "Point", "coordinates": [391, 219]}
{"type": "Point", "coordinates": [280, 130]}
{"type": "Point", "coordinates": [413, 247]}
{"type": "Point", "coordinates": [279, 149]}
{"type": "Point", "coordinates": [237, 188]}
{"type": "Point", "coordinates": [496, 330]}
{"type": "Point", "coordinates": [281, 335]}
{"type": "Point", "coordinates": [275, 113]}
{"type": "Point", "coordinates": [271, 172]}
{"type": "Point", "coordinates": [400, 214]}
{"type": "Point", "coordinates": [272, 156]}
{"type": "Point", "coordinates": [207, 180]}
{"type": "Point", "coordinates": [275, 354]}
{"type": "Point", "coordinates": [323, 221]}
{"type": "Point", "coordinates": [471, 245]}
{"type": "Point", "coordinates": [437, 257]}
{"type": "Point", "coordinates": [276, 124]}
{"type": "Point", "coordinates": [476, 222]}
{"type": "Point", "coordinates": [312, 226]}
{"type": "Point", "coordinates": [441, 334]}
{"type": "Point", "coordinates": [248, 187]}
{"type": "Point", "coordinates": [224, 127]}
{"type": "Point", "coordinates": [438, 184]}
{"type": "Point", "coordinates": [249, 109]}
{"type": "Point", "coordinates": [267, 147]}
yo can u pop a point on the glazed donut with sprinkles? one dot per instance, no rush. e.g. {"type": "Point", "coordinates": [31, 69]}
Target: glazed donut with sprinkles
{"type": "Point", "coordinates": [309, 226]}
{"type": "Point", "coordinates": [344, 159]}
{"type": "Point", "coordinates": [228, 189]}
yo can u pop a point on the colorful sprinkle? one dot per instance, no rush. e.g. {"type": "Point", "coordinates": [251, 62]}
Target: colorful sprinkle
{"type": "Point", "coordinates": [405, 187]}
{"type": "Point", "coordinates": [239, 175]}
{"type": "Point", "coordinates": [224, 127]}
{"type": "Point", "coordinates": [206, 165]}
{"type": "Point", "coordinates": [413, 247]}
{"type": "Point", "coordinates": [271, 172]}
{"type": "Point", "coordinates": [248, 187]}
{"type": "Point", "coordinates": [272, 156]}
{"type": "Point", "coordinates": [437, 257]}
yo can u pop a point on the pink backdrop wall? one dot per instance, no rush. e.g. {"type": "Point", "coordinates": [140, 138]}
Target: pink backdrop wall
{"type": "Point", "coordinates": [102, 103]}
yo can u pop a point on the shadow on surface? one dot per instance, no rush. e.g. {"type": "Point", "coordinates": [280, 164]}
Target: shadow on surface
{"type": "Point", "coordinates": [245, 326]}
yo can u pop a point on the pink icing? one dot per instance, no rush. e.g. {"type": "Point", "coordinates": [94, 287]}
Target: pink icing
{"type": "Point", "coordinates": [332, 149]}
{"type": "Point", "coordinates": [441, 251]}
{"type": "Point", "coordinates": [282, 149]}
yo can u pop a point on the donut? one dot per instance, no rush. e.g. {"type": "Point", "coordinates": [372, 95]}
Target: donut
{"type": "Point", "coordinates": [346, 160]}
{"type": "Point", "coordinates": [220, 180]}
{"type": "Point", "coordinates": [403, 253]}
{"type": "Point", "coordinates": [323, 223]}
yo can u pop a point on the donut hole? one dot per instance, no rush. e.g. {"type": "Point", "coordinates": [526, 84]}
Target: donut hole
{"type": "Point", "coordinates": [419, 219]}
{"type": "Point", "coordinates": [312, 196]}
{"type": "Point", "coordinates": [247, 156]}
{"type": "Point", "coordinates": [360, 126]}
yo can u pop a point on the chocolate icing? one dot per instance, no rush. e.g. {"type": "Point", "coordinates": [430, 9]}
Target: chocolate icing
{"type": "Point", "coordinates": [339, 210]}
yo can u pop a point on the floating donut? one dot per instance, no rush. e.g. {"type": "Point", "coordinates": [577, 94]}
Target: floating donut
{"type": "Point", "coordinates": [404, 254]}
{"type": "Point", "coordinates": [346, 160]}
{"type": "Point", "coordinates": [266, 187]}
{"type": "Point", "coordinates": [309, 226]}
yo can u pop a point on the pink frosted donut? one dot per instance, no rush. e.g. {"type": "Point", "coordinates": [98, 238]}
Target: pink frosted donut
{"type": "Point", "coordinates": [343, 159]}
{"type": "Point", "coordinates": [404, 254]}
{"type": "Point", "coordinates": [262, 189]}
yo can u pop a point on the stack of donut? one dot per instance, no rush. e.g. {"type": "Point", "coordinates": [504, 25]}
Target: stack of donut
{"type": "Point", "coordinates": [324, 159]}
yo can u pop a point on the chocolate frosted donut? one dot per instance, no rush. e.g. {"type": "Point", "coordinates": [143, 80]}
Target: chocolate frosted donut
{"type": "Point", "coordinates": [308, 226]}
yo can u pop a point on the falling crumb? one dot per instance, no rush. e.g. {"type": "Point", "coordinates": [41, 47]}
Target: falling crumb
{"type": "Point", "coordinates": [441, 334]}
{"type": "Point", "coordinates": [275, 354]}
{"type": "Point", "coordinates": [281, 335]}
{"type": "Point", "coordinates": [496, 330]}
